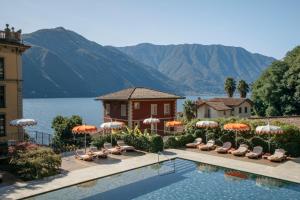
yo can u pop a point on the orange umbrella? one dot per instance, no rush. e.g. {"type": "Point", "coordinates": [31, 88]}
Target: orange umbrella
{"type": "Point", "coordinates": [236, 127]}
{"type": "Point", "coordinates": [84, 129]}
{"type": "Point", "coordinates": [174, 123]}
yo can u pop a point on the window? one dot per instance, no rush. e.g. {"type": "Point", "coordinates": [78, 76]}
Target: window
{"type": "Point", "coordinates": [1, 68]}
{"type": "Point", "coordinates": [2, 125]}
{"type": "Point", "coordinates": [123, 110]}
{"type": "Point", "coordinates": [224, 113]}
{"type": "Point", "coordinates": [107, 109]}
{"type": "Point", "coordinates": [246, 109]}
{"type": "Point", "coordinates": [2, 96]}
{"type": "Point", "coordinates": [153, 109]}
{"type": "Point", "coordinates": [136, 105]}
{"type": "Point", "coordinates": [240, 110]}
{"type": "Point", "coordinates": [167, 109]}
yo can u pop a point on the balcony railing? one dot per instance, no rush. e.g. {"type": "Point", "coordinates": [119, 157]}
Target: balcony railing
{"type": "Point", "coordinates": [10, 36]}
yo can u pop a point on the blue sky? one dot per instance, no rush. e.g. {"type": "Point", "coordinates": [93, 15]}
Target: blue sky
{"type": "Point", "coordinates": [270, 27]}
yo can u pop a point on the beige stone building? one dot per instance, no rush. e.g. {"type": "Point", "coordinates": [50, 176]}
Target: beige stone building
{"type": "Point", "coordinates": [11, 49]}
{"type": "Point", "coordinates": [224, 107]}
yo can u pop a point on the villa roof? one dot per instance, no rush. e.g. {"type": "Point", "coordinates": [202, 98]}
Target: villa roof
{"type": "Point", "coordinates": [138, 93]}
{"type": "Point", "coordinates": [223, 103]}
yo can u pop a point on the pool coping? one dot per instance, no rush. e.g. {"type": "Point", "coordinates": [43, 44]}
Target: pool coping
{"type": "Point", "coordinates": [34, 188]}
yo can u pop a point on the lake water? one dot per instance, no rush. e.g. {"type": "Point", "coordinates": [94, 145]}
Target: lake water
{"type": "Point", "coordinates": [91, 111]}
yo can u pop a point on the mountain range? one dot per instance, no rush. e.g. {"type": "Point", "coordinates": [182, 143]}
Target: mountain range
{"type": "Point", "coordinates": [62, 63]}
{"type": "Point", "coordinates": [203, 68]}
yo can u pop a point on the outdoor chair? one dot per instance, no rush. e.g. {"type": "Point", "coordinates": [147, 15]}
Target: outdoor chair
{"type": "Point", "coordinates": [194, 144]}
{"type": "Point", "coordinates": [79, 154]}
{"type": "Point", "coordinates": [256, 153]}
{"type": "Point", "coordinates": [241, 151]}
{"type": "Point", "coordinates": [124, 146]}
{"type": "Point", "coordinates": [278, 156]}
{"type": "Point", "coordinates": [225, 148]}
{"type": "Point", "coordinates": [98, 153]}
{"type": "Point", "coordinates": [210, 145]}
{"type": "Point", "coordinates": [110, 149]}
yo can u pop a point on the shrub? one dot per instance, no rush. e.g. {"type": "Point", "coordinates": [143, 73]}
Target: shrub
{"type": "Point", "coordinates": [199, 133]}
{"type": "Point", "coordinates": [156, 143]}
{"type": "Point", "coordinates": [258, 141]}
{"type": "Point", "coordinates": [241, 140]}
{"type": "Point", "coordinates": [172, 142]}
{"type": "Point", "coordinates": [35, 162]}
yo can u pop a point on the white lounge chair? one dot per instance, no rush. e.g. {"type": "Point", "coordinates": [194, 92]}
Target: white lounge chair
{"type": "Point", "coordinates": [278, 156]}
{"type": "Point", "coordinates": [98, 153]}
{"type": "Point", "coordinates": [79, 154]}
{"type": "Point", "coordinates": [195, 143]}
{"type": "Point", "coordinates": [110, 149]}
{"type": "Point", "coordinates": [225, 148]}
{"type": "Point", "coordinates": [209, 146]}
{"type": "Point", "coordinates": [241, 151]}
{"type": "Point", "coordinates": [124, 146]}
{"type": "Point", "coordinates": [256, 153]}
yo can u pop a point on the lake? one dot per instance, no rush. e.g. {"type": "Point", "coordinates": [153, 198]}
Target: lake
{"type": "Point", "coordinates": [91, 111]}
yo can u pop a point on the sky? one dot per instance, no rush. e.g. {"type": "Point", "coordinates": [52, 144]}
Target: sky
{"type": "Point", "coordinates": [269, 27]}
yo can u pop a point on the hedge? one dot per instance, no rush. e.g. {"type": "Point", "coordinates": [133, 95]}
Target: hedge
{"type": "Point", "coordinates": [290, 140]}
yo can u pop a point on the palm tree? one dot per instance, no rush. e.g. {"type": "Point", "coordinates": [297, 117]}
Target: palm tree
{"type": "Point", "coordinates": [243, 88]}
{"type": "Point", "coordinates": [230, 86]}
{"type": "Point", "coordinates": [189, 109]}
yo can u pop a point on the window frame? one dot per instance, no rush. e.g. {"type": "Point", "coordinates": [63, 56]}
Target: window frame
{"type": "Point", "coordinates": [123, 110]}
{"type": "Point", "coordinates": [4, 125]}
{"type": "Point", "coordinates": [152, 110]}
{"type": "Point", "coordinates": [169, 109]}
{"type": "Point", "coordinates": [246, 109]}
{"type": "Point", "coordinates": [240, 110]}
{"type": "Point", "coordinates": [107, 108]}
{"type": "Point", "coordinates": [4, 96]}
{"type": "Point", "coordinates": [136, 105]}
{"type": "Point", "coordinates": [3, 78]}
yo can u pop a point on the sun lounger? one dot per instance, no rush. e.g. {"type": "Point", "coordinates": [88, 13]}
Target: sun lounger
{"type": "Point", "coordinates": [195, 143]}
{"type": "Point", "coordinates": [124, 146]}
{"type": "Point", "coordinates": [83, 156]}
{"type": "Point", "coordinates": [98, 153]}
{"type": "Point", "coordinates": [256, 153]}
{"type": "Point", "coordinates": [225, 148]}
{"type": "Point", "coordinates": [241, 151]}
{"type": "Point", "coordinates": [209, 146]}
{"type": "Point", "coordinates": [278, 156]}
{"type": "Point", "coordinates": [113, 150]}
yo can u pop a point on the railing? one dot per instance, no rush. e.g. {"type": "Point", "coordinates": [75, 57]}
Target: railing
{"type": "Point", "coordinates": [40, 138]}
{"type": "Point", "coordinates": [169, 159]}
{"type": "Point", "coordinates": [10, 36]}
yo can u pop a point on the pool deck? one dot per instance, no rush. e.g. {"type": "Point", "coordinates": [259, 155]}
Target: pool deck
{"type": "Point", "coordinates": [289, 170]}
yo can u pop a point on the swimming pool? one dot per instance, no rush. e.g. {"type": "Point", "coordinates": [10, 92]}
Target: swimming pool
{"type": "Point", "coordinates": [190, 180]}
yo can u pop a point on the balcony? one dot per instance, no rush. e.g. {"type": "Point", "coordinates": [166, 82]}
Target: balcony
{"type": "Point", "coordinates": [9, 35]}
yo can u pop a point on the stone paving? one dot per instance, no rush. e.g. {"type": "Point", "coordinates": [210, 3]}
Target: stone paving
{"type": "Point", "coordinates": [289, 170]}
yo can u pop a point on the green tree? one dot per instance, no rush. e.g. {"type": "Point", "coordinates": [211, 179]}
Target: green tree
{"type": "Point", "coordinates": [243, 88]}
{"type": "Point", "coordinates": [230, 86]}
{"type": "Point", "coordinates": [63, 129]}
{"type": "Point", "coordinates": [189, 109]}
{"type": "Point", "coordinates": [277, 91]}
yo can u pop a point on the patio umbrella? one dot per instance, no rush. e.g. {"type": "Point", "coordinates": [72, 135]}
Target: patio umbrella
{"type": "Point", "coordinates": [23, 123]}
{"type": "Point", "coordinates": [84, 129]}
{"type": "Point", "coordinates": [236, 127]}
{"type": "Point", "coordinates": [112, 125]}
{"type": "Point", "coordinates": [269, 129]}
{"type": "Point", "coordinates": [174, 124]}
{"type": "Point", "coordinates": [206, 125]}
{"type": "Point", "coordinates": [151, 121]}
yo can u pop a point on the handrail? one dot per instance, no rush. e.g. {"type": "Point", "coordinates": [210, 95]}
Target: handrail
{"type": "Point", "coordinates": [169, 159]}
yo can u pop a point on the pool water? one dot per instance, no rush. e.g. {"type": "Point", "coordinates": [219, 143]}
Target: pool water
{"type": "Point", "coordinates": [190, 181]}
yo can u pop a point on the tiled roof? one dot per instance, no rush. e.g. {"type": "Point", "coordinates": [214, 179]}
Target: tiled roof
{"type": "Point", "coordinates": [138, 93]}
{"type": "Point", "coordinates": [223, 103]}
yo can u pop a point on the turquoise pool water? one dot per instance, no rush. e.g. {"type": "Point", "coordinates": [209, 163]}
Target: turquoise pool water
{"type": "Point", "coordinates": [190, 181]}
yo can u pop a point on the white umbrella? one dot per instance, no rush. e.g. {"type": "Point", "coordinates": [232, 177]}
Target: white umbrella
{"type": "Point", "coordinates": [207, 124]}
{"type": "Point", "coordinates": [112, 125]}
{"type": "Point", "coordinates": [23, 122]}
{"type": "Point", "coordinates": [151, 121]}
{"type": "Point", "coordinates": [269, 129]}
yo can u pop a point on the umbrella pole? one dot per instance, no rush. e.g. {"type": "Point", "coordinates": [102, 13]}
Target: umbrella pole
{"type": "Point", "coordinates": [235, 139]}
{"type": "Point", "coordinates": [269, 142]}
{"type": "Point", "coordinates": [85, 142]}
